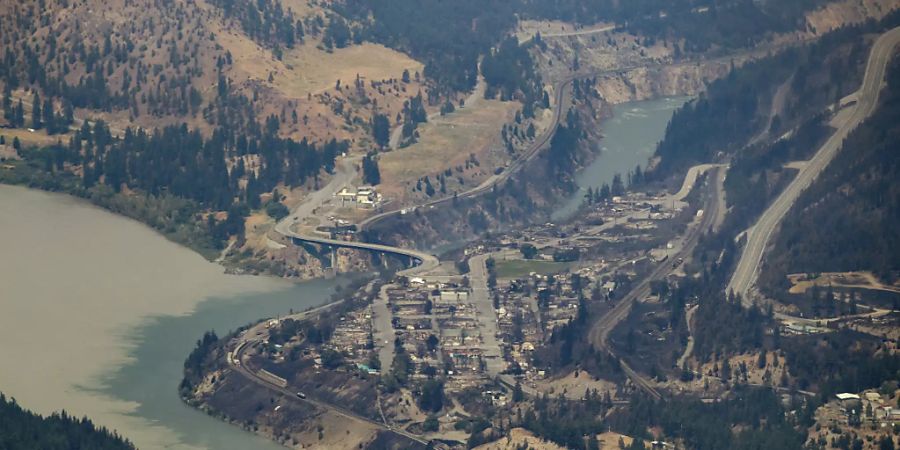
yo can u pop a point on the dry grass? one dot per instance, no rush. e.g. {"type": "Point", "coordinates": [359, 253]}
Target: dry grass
{"type": "Point", "coordinates": [447, 142]}
{"type": "Point", "coordinates": [800, 282]}
{"type": "Point", "coordinates": [517, 437]}
{"type": "Point", "coordinates": [316, 70]}
{"type": "Point", "coordinates": [302, 8]}
{"type": "Point", "coordinates": [611, 439]}
{"type": "Point", "coordinates": [575, 387]}
{"type": "Point", "coordinates": [38, 137]}
{"type": "Point", "coordinates": [304, 81]}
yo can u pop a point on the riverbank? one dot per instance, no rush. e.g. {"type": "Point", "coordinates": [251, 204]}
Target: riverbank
{"type": "Point", "coordinates": [629, 139]}
{"type": "Point", "coordinates": [107, 337]}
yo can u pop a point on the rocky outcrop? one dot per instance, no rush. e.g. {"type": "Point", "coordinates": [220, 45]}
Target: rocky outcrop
{"type": "Point", "coordinates": [662, 81]}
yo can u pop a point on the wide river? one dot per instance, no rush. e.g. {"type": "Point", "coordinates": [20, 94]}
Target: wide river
{"type": "Point", "coordinates": [98, 312]}
{"type": "Point", "coordinates": [629, 140]}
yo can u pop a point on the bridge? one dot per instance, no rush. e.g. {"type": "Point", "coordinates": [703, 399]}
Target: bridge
{"type": "Point", "coordinates": [421, 262]}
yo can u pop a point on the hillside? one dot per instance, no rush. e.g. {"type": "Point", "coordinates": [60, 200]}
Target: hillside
{"type": "Point", "coordinates": [172, 65]}
{"type": "Point", "coordinates": [846, 220]}
{"type": "Point", "coordinates": [197, 108]}
{"type": "Point", "coordinates": [21, 429]}
{"type": "Point", "coordinates": [194, 117]}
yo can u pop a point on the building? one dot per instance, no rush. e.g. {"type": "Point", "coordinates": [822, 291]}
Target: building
{"type": "Point", "coordinates": [364, 197]}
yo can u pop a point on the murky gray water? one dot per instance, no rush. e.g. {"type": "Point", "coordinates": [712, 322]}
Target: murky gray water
{"type": "Point", "coordinates": [98, 312]}
{"type": "Point", "coordinates": [630, 138]}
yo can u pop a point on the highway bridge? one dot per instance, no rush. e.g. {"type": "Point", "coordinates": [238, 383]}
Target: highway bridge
{"type": "Point", "coordinates": [421, 262]}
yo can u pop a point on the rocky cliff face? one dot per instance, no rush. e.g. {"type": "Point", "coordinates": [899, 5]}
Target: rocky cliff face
{"type": "Point", "coordinates": [663, 81]}
{"type": "Point", "coordinates": [633, 68]}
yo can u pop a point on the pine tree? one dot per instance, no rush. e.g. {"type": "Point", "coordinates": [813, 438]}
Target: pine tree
{"type": "Point", "coordinates": [36, 112]}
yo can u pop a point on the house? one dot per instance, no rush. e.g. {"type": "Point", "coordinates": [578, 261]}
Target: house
{"type": "Point", "coordinates": [454, 295]}
{"type": "Point", "coordinates": [364, 197]}
{"type": "Point", "coordinates": [346, 195]}
{"type": "Point", "coordinates": [849, 402]}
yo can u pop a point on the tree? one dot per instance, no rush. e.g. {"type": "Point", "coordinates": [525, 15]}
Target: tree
{"type": "Point", "coordinates": [19, 115]}
{"type": "Point", "coordinates": [332, 359]}
{"type": "Point", "coordinates": [518, 395]}
{"type": "Point", "coordinates": [381, 129]}
{"type": "Point", "coordinates": [371, 173]}
{"type": "Point", "coordinates": [36, 112]}
{"type": "Point", "coordinates": [432, 342]}
{"type": "Point", "coordinates": [618, 188]}
{"type": "Point", "coordinates": [431, 424]}
{"type": "Point", "coordinates": [529, 251]}
{"type": "Point", "coordinates": [432, 398]}
{"type": "Point", "coordinates": [276, 210]}
{"type": "Point", "coordinates": [447, 108]}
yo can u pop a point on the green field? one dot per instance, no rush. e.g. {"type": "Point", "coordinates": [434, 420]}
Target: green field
{"type": "Point", "coordinates": [518, 268]}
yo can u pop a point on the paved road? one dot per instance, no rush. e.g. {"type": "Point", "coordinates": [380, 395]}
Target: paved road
{"type": "Point", "coordinates": [690, 178]}
{"type": "Point", "coordinates": [562, 91]}
{"type": "Point", "coordinates": [345, 173]}
{"type": "Point", "coordinates": [599, 332]}
{"type": "Point", "coordinates": [426, 261]}
{"type": "Point", "coordinates": [581, 32]}
{"type": "Point", "coordinates": [487, 318]}
{"type": "Point", "coordinates": [255, 335]}
{"type": "Point", "coordinates": [383, 329]}
{"type": "Point", "coordinates": [758, 236]}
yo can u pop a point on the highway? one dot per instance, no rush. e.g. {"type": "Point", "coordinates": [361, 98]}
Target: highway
{"type": "Point", "coordinates": [747, 271]}
{"type": "Point", "coordinates": [426, 261]}
{"type": "Point", "coordinates": [345, 172]}
{"type": "Point", "coordinates": [600, 330]}
{"type": "Point", "coordinates": [562, 94]}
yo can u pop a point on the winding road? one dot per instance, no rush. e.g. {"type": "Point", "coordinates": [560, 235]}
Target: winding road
{"type": "Point", "coordinates": [744, 279]}
{"type": "Point", "coordinates": [562, 96]}
{"type": "Point", "coordinates": [344, 174]}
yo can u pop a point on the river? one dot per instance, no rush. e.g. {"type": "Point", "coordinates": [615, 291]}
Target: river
{"type": "Point", "coordinates": [629, 140]}
{"type": "Point", "coordinates": [98, 312]}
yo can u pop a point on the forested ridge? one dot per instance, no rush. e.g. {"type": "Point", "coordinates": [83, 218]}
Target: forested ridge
{"type": "Point", "coordinates": [223, 161]}
{"type": "Point", "coordinates": [21, 429]}
{"type": "Point", "coordinates": [225, 172]}
{"type": "Point", "coordinates": [74, 66]}
{"type": "Point", "coordinates": [702, 24]}
{"type": "Point", "coordinates": [449, 37]}
{"type": "Point", "coordinates": [735, 108]}
{"type": "Point", "coordinates": [847, 219]}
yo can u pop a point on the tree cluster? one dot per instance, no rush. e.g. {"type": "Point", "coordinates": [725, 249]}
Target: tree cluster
{"type": "Point", "coordinates": [21, 429]}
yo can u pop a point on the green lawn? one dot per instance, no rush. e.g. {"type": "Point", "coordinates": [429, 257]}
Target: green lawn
{"type": "Point", "coordinates": [518, 268]}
